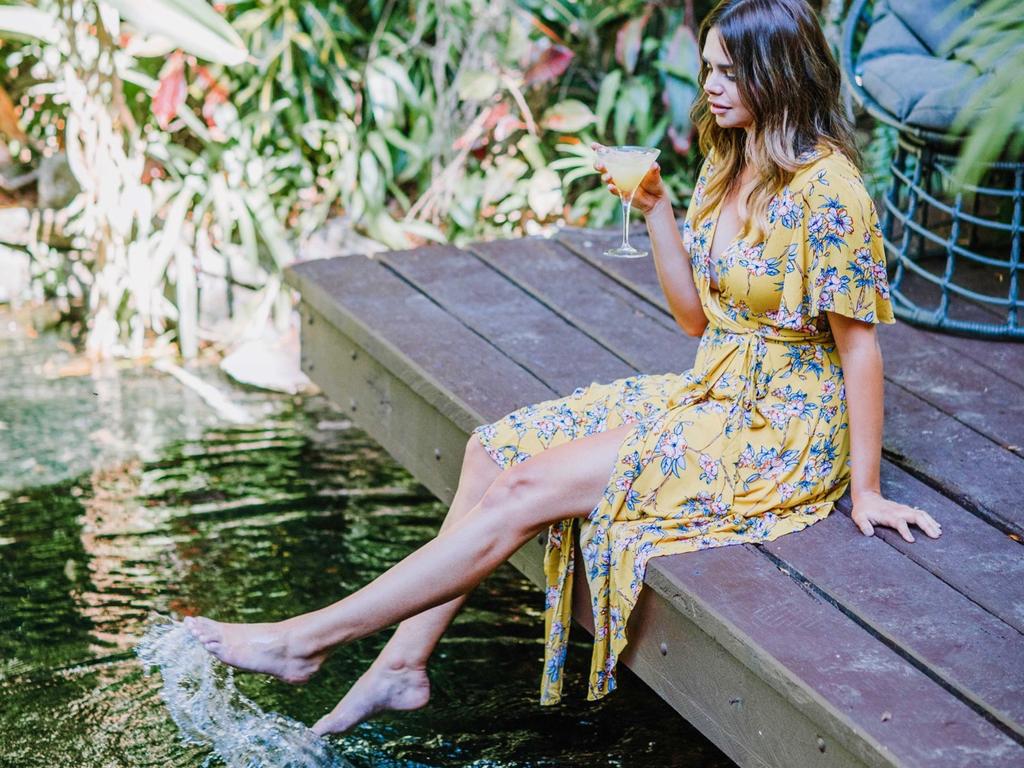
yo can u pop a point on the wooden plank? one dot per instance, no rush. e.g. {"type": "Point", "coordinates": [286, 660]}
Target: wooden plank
{"type": "Point", "coordinates": [522, 327]}
{"type": "Point", "coordinates": [921, 616]}
{"type": "Point", "coordinates": [1004, 358]}
{"type": "Point", "coordinates": [738, 733]}
{"type": "Point", "coordinates": [743, 714]}
{"type": "Point", "coordinates": [414, 338]}
{"type": "Point", "coordinates": [923, 364]}
{"type": "Point", "coordinates": [971, 556]}
{"type": "Point", "coordinates": [881, 708]}
{"type": "Point", "coordinates": [930, 444]}
{"type": "Point", "coordinates": [639, 333]}
{"type": "Point", "coordinates": [638, 275]}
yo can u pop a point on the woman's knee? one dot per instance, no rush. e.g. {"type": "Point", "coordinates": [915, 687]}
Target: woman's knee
{"type": "Point", "coordinates": [514, 497]}
{"type": "Point", "coordinates": [476, 456]}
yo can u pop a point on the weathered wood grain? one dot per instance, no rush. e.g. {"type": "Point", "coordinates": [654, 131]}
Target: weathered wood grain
{"type": "Point", "coordinates": [927, 620]}
{"type": "Point", "coordinates": [528, 332]}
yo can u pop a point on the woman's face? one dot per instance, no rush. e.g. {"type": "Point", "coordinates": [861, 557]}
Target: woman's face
{"type": "Point", "coordinates": [720, 86]}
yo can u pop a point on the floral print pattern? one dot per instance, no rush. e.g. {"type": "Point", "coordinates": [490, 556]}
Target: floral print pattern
{"type": "Point", "coordinates": [749, 444]}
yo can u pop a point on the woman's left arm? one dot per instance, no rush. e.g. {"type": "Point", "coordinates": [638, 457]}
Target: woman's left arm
{"type": "Point", "coordinates": [861, 358]}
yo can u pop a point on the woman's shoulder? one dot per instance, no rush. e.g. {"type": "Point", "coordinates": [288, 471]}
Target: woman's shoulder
{"type": "Point", "coordinates": [828, 173]}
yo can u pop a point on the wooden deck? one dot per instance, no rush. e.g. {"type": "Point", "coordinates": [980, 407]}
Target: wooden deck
{"type": "Point", "coordinates": [823, 648]}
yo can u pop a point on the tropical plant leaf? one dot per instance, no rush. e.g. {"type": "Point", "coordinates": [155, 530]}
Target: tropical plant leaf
{"type": "Point", "coordinates": [193, 25]}
{"type": "Point", "coordinates": [21, 21]}
{"type": "Point", "coordinates": [606, 97]}
{"type": "Point", "coordinates": [568, 116]}
{"type": "Point", "coordinates": [629, 40]}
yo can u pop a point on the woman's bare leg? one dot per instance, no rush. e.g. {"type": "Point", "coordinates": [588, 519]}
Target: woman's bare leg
{"type": "Point", "coordinates": [397, 679]}
{"type": "Point", "coordinates": [562, 482]}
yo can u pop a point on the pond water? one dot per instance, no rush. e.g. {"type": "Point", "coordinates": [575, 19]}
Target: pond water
{"type": "Point", "coordinates": [123, 496]}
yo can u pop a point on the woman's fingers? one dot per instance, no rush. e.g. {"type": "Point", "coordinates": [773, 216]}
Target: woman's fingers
{"type": "Point", "coordinates": [865, 526]}
{"type": "Point", "coordinates": [927, 523]}
{"type": "Point", "coordinates": [904, 529]}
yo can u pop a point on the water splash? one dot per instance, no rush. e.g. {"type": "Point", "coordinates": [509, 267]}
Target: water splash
{"type": "Point", "coordinates": [202, 699]}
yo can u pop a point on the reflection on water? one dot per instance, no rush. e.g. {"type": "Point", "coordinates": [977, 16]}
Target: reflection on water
{"type": "Point", "coordinates": [251, 524]}
{"type": "Point", "coordinates": [204, 703]}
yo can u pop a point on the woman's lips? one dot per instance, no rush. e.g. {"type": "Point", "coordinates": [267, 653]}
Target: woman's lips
{"type": "Point", "coordinates": [717, 108]}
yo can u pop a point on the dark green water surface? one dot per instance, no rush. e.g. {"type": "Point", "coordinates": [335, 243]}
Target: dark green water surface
{"type": "Point", "coordinates": [122, 494]}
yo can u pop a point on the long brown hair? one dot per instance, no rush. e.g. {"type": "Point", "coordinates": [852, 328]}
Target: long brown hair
{"type": "Point", "coordinates": [790, 82]}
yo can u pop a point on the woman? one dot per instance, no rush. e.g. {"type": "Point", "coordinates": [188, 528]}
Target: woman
{"type": "Point", "coordinates": [781, 271]}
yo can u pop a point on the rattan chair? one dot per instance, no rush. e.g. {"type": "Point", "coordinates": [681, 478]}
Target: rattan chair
{"type": "Point", "coordinates": [954, 252]}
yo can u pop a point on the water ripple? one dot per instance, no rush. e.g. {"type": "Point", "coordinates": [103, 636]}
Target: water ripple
{"type": "Point", "coordinates": [202, 700]}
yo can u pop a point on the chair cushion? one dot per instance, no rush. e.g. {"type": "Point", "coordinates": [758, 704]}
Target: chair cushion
{"type": "Point", "coordinates": [888, 34]}
{"type": "Point", "coordinates": [899, 82]}
{"type": "Point", "coordinates": [933, 21]}
{"type": "Point", "coordinates": [904, 67]}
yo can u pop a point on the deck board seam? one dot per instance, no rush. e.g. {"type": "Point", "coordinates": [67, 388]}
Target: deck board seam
{"type": "Point", "coordinates": [903, 652]}
{"type": "Point", "coordinates": [532, 293]}
{"type": "Point", "coordinates": [636, 290]}
{"type": "Point", "coordinates": [956, 418]}
{"type": "Point", "coordinates": [958, 498]}
{"type": "Point", "coordinates": [909, 555]}
{"type": "Point", "coordinates": [391, 268]}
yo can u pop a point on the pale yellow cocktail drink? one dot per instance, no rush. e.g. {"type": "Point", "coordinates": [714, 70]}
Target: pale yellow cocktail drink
{"type": "Point", "coordinates": [627, 165]}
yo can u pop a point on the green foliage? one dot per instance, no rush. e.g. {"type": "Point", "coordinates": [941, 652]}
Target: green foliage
{"type": "Point", "coordinates": [992, 119]}
{"type": "Point", "coordinates": [415, 120]}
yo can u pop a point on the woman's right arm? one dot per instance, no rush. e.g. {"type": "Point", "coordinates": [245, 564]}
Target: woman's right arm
{"type": "Point", "coordinates": [671, 260]}
{"type": "Point", "coordinates": [672, 263]}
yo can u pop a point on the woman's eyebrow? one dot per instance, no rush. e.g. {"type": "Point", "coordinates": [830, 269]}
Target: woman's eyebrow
{"type": "Point", "coordinates": [726, 65]}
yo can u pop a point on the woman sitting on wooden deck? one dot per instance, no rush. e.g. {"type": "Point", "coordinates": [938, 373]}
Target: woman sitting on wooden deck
{"type": "Point", "coordinates": [780, 269]}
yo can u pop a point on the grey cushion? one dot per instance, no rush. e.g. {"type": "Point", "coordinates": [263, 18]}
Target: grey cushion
{"type": "Point", "coordinates": [933, 21]}
{"type": "Point", "coordinates": [900, 81]}
{"type": "Point", "coordinates": [887, 35]}
{"type": "Point", "coordinates": [904, 66]}
{"type": "Point", "coordinates": [937, 108]}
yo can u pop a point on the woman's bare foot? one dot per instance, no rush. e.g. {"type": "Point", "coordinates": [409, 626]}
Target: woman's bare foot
{"type": "Point", "coordinates": [274, 649]}
{"type": "Point", "coordinates": [383, 686]}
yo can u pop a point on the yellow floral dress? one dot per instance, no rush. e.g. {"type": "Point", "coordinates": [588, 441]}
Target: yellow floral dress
{"type": "Point", "coordinates": [749, 444]}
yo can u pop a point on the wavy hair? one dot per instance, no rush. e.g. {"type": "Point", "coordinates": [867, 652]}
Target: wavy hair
{"type": "Point", "coordinates": [789, 81]}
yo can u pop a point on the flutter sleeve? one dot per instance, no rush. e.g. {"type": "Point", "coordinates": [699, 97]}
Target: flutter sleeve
{"type": "Point", "coordinates": [837, 256]}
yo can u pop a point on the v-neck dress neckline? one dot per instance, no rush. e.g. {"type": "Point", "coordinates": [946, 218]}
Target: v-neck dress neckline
{"type": "Point", "coordinates": [712, 260]}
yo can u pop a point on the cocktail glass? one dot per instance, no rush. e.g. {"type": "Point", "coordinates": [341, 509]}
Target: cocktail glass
{"type": "Point", "coordinates": [627, 166]}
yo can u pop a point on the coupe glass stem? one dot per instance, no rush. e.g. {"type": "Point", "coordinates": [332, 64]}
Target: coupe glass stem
{"type": "Point", "coordinates": [625, 219]}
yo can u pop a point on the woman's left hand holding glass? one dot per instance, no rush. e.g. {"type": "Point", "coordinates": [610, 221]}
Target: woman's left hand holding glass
{"type": "Point", "coordinates": [874, 509]}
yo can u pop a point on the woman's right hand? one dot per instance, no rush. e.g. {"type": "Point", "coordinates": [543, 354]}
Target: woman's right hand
{"type": "Point", "coordinates": [652, 192]}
